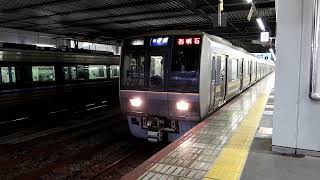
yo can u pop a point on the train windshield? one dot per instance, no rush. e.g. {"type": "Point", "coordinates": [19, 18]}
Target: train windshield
{"type": "Point", "coordinates": [184, 76]}
{"type": "Point", "coordinates": [161, 64]}
{"type": "Point", "coordinates": [133, 70]}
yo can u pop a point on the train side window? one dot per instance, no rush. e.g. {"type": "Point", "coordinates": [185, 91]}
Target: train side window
{"type": "Point", "coordinates": [5, 77]}
{"type": "Point", "coordinates": [70, 73]}
{"type": "Point", "coordinates": [249, 69]}
{"type": "Point", "coordinates": [219, 75]}
{"type": "Point", "coordinates": [97, 71]}
{"type": "Point", "coordinates": [234, 69]}
{"type": "Point", "coordinates": [43, 73]}
{"type": "Point", "coordinates": [114, 71]}
{"type": "Point", "coordinates": [13, 74]}
{"type": "Point", "coordinates": [82, 72]}
{"type": "Point", "coordinates": [8, 74]}
{"type": "Point", "coordinates": [244, 68]}
{"type": "Point", "coordinates": [66, 73]}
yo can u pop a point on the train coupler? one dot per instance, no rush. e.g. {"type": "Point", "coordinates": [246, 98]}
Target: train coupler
{"type": "Point", "coordinates": [155, 136]}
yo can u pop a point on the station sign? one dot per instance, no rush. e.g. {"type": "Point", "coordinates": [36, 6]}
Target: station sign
{"type": "Point", "coordinates": [189, 41]}
{"type": "Point", "coordinates": [264, 37]}
{"type": "Point", "coordinates": [159, 41]}
{"type": "Point", "coordinates": [137, 42]}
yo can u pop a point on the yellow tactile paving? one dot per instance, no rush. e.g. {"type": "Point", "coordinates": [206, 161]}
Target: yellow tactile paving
{"type": "Point", "coordinates": [231, 161]}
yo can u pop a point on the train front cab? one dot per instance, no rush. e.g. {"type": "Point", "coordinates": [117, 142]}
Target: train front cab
{"type": "Point", "coordinates": [167, 88]}
{"type": "Point", "coordinates": [159, 85]}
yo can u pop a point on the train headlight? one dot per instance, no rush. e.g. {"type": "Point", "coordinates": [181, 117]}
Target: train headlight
{"type": "Point", "coordinates": [182, 105]}
{"type": "Point", "coordinates": [135, 102]}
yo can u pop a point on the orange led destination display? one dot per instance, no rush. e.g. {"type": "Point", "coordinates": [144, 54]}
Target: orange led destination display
{"type": "Point", "coordinates": [189, 41]}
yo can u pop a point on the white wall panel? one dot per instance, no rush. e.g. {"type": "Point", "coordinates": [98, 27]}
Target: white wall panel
{"type": "Point", "coordinates": [309, 110]}
{"type": "Point", "coordinates": [287, 73]}
{"type": "Point", "coordinates": [297, 116]}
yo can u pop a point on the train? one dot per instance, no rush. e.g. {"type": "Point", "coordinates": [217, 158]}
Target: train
{"type": "Point", "coordinates": [172, 80]}
{"type": "Point", "coordinates": [36, 83]}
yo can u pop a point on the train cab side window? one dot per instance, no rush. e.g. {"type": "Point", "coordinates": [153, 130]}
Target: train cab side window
{"type": "Point", "coordinates": [43, 73]}
{"type": "Point", "coordinates": [97, 72]}
{"type": "Point", "coordinates": [114, 71]}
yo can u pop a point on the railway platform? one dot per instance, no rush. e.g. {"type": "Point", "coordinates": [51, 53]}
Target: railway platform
{"type": "Point", "coordinates": [218, 147]}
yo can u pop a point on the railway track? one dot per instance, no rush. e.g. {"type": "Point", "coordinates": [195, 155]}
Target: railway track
{"type": "Point", "coordinates": [100, 149]}
{"type": "Point", "coordinates": [51, 146]}
{"type": "Point", "coordinates": [109, 169]}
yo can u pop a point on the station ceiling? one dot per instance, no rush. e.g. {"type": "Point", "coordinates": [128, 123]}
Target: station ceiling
{"type": "Point", "coordinates": [110, 20]}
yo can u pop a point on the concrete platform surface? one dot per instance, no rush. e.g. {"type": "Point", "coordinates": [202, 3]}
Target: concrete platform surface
{"type": "Point", "coordinates": [218, 147]}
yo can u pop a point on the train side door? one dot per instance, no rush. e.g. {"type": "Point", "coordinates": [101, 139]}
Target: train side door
{"type": "Point", "coordinates": [212, 83]}
{"type": "Point", "coordinates": [250, 72]}
{"type": "Point", "coordinates": [241, 70]}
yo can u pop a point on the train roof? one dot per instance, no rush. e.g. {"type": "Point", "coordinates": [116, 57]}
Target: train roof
{"type": "Point", "coordinates": [18, 55]}
{"type": "Point", "coordinates": [190, 32]}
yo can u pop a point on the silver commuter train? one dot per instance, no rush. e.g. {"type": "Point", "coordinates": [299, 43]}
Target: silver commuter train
{"type": "Point", "coordinates": [170, 81]}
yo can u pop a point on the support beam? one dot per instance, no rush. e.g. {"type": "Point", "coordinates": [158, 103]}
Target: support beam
{"type": "Point", "coordinates": [112, 18]}
{"type": "Point", "coordinates": [36, 5]}
{"type": "Point", "coordinates": [104, 8]}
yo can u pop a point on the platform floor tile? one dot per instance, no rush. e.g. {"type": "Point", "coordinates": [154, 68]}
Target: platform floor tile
{"type": "Point", "coordinates": [193, 157]}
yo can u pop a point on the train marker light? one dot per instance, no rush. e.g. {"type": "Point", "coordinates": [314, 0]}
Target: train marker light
{"type": "Point", "coordinates": [136, 102]}
{"type": "Point", "coordinates": [182, 106]}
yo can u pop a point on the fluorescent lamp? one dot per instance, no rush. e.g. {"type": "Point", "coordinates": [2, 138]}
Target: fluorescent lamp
{"type": "Point", "coordinates": [45, 45]}
{"type": "Point", "coordinates": [261, 25]}
{"type": "Point", "coordinates": [249, 1]}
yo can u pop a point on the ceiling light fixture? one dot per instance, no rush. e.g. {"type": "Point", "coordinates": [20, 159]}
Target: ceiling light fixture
{"type": "Point", "coordinates": [261, 25]}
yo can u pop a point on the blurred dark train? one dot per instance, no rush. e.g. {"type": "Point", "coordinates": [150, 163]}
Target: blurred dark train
{"type": "Point", "coordinates": [35, 83]}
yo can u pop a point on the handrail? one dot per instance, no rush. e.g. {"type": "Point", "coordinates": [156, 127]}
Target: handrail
{"type": "Point", "coordinates": [315, 53]}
